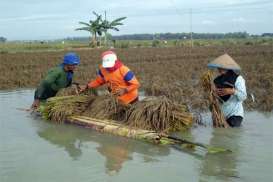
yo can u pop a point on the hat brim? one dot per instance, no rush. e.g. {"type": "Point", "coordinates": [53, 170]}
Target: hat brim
{"type": "Point", "coordinates": [215, 66]}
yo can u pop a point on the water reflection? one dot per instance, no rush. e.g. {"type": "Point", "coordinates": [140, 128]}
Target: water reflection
{"type": "Point", "coordinates": [63, 138]}
{"type": "Point", "coordinates": [116, 150]}
{"type": "Point", "coordinates": [116, 153]}
{"type": "Point", "coordinates": [222, 166]}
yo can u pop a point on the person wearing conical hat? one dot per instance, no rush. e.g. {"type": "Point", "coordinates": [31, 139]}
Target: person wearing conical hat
{"type": "Point", "coordinates": [231, 89]}
{"type": "Point", "coordinates": [120, 80]}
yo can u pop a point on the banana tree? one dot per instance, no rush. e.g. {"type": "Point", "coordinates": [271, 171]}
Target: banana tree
{"type": "Point", "coordinates": [94, 27]}
{"type": "Point", "coordinates": [111, 25]}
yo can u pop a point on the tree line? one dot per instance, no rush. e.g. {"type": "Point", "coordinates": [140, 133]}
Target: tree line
{"type": "Point", "coordinates": [3, 39]}
{"type": "Point", "coordinates": [179, 36]}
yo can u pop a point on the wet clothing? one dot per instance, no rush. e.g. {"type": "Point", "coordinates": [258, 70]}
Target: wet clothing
{"type": "Point", "coordinates": [232, 105]}
{"type": "Point", "coordinates": [118, 77]}
{"type": "Point", "coordinates": [56, 79]}
{"type": "Point", "coordinates": [235, 121]}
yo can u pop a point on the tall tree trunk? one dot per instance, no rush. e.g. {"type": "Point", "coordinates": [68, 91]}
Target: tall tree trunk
{"type": "Point", "coordinates": [91, 40]}
{"type": "Point", "coordinates": [95, 39]}
{"type": "Point", "coordinates": [99, 42]}
{"type": "Point", "coordinates": [105, 38]}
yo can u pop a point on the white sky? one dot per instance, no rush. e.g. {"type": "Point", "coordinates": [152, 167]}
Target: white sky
{"type": "Point", "coordinates": [51, 19]}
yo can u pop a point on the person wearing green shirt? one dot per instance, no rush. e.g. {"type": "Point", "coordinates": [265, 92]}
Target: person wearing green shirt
{"type": "Point", "coordinates": [57, 78]}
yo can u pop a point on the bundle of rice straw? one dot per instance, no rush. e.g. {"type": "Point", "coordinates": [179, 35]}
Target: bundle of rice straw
{"type": "Point", "coordinates": [101, 107]}
{"type": "Point", "coordinates": [217, 114]}
{"type": "Point", "coordinates": [106, 107]}
{"type": "Point", "coordinates": [155, 113]}
{"type": "Point", "coordinates": [158, 114]}
{"type": "Point", "coordinates": [59, 108]}
{"type": "Point", "coordinates": [73, 90]}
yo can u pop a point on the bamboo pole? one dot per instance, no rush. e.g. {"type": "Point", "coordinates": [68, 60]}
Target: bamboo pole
{"type": "Point", "coordinates": [112, 127]}
{"type": "Point", "coordinates": [115, 128]}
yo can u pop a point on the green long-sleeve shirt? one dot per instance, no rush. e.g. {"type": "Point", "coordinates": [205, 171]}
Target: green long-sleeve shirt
{"type": "Point", "coordinates": [55, 80]}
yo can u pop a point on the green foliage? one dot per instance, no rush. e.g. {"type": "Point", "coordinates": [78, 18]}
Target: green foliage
{"type": "Point", "coordinates": [3, 39]}
{"type": "Point", "coordinates": [112, 25]}
{"type": "Point", "coordinates": [155, 43]}
{"type": "Point", "coordinates": [98, 26]}
{"type": "Point", "coordinates": [185, 36]}
{"type": "Point", "coordinates": [122, 44]}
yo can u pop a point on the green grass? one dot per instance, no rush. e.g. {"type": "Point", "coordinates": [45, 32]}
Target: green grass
{"type": "Point", "coordinates": [196, 42]}
{"type": "Point", "coordinates": [11, 47]}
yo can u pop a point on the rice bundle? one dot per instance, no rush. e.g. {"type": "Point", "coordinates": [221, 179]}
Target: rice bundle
{"type": "Point", "coordinates": [155, 113]}
{"type": "Point", "coordinates": [67, 91]}
{"type": "Point", "coordinates": [217, 115]}
{"type": "Point", "coordinates": [73, 90]}
{"type": "Point", "coordinates": [158, 114]}
{"type": "Point", "coordinates": [59, 108]}
{"type": "Point", "coordinates": [106, 107]}
{"type": "Point", "coordinates": [101, 107]}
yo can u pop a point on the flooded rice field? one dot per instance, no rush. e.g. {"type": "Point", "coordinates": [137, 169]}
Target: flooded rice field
{"type": "Point", "coordinates": [34, 150]}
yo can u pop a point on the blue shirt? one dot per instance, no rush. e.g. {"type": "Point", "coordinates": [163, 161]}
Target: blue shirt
{"type": "Point", "coordinates": [234, 105]}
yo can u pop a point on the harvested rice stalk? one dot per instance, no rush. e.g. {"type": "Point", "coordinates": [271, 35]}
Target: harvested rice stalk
{"type": "Point", "coordinates": [59, 108]}
{"type": "Point", "coordinates": [73, 90]}
{"type": "Point", "coordinates": [158, 114]}
{"type": "Point", "coordinates": [106, 107]}
{"type": "Point", "coordinates": [217, 115]}
{"type": "Point", "coordinates": [67, 91]}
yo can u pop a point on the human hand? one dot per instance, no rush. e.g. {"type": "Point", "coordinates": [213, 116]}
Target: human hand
{"type": "Point", "coordinates": [35, 104]}
{"type": "Point", "coordinates": [225, 91]}
{"type": "Point", "coordinates": [120, 92]}
{"type": "Point", "coordinates": [82, 88]}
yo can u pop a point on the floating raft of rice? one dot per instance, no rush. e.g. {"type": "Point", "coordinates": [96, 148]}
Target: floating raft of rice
{"type": "Point", "coordinates": [148, 120]}
{"type": "Point", "coordinates": [145, 120]}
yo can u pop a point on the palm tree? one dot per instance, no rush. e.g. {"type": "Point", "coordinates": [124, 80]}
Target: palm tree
{"type": "Point", "coordinates": [94, 27]}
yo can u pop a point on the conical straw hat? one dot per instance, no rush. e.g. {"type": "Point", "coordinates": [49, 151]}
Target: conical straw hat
{"type": "Point", "coordinates": [224, 62]}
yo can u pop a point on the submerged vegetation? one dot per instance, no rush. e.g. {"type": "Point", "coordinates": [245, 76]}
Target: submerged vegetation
{"type": "Point", "coordinates": [173, 72]}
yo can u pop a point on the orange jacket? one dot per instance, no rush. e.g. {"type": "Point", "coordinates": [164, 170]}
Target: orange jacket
{"type": "Point", "coordinates": [118, 77]}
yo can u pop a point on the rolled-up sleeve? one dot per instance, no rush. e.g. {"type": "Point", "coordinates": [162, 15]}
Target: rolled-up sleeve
{"type": "Point", "coordinates": [240, 89]}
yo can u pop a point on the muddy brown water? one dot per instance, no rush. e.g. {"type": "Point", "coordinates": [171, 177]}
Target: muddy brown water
{"type": "Point", "coordinates": [34, 150]}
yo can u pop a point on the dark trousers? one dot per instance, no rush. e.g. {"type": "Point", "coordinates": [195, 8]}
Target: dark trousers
{"type": "Point", "coordinates": [235, 121]}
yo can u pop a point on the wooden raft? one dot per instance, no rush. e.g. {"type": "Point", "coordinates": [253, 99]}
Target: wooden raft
{"type": "Point", "coordinates": [115, 128]}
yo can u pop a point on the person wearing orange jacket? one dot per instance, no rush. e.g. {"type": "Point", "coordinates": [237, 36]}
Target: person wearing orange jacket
{"type": "Point", "coordinates": [120, 80]}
